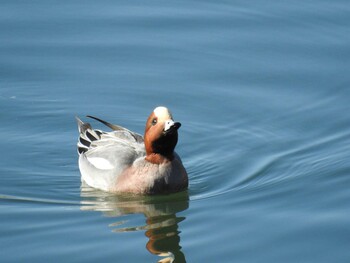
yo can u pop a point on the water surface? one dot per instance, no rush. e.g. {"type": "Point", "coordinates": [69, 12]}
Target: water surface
{"type": "Point", "coordinates": [261, 90]}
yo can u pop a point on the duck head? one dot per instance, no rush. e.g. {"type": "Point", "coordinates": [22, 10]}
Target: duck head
{"type": "Point", "coordinates": [160, 135]}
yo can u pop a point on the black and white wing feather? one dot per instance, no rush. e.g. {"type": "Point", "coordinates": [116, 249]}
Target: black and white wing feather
{"type": "Point", "coordinates": [88, 135]}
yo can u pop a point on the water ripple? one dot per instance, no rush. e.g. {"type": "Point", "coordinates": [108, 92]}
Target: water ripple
{"type": "Point", "coordinates": [22, 199]}
{"type": "Point", "coordinates": [210, 178]}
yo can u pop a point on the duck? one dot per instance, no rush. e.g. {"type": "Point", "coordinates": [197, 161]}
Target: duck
{"type": "Point", "coordinates": [122, 161]}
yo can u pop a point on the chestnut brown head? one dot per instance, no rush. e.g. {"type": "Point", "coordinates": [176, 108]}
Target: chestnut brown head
{"type": "Point", "coordinates": [161, 133]}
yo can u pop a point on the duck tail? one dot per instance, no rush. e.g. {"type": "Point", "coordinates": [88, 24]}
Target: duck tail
{"type": "Point", "coordinates": [86, 136]}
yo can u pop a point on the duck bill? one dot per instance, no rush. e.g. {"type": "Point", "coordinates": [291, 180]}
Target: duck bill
{"type": "Point", "coordinates": [176, 125]}
{"type": "Point", "coordinates": [172, 127]}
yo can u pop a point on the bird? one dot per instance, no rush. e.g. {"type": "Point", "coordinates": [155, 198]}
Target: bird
{"type": "Point", "coordinates": [121, 161]}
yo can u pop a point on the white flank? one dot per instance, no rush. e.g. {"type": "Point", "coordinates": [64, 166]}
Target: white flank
{"type": "Point", "coordinates": [100, 163]}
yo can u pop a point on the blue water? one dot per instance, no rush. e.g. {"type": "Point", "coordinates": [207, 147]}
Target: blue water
{"type": "Point", "coordinates": [261, 89]}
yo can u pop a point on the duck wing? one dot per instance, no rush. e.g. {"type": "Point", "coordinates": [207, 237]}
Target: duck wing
{"type": "Point", "coordinates": [115, 127]}
{"type": "Point", "coordinates": [87, 134]}
{"type": "Point", "coordinates": [103, 156]}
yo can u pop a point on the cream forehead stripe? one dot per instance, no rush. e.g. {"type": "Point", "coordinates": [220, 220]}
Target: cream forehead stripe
{"type": "Point", "coordinates": [162, 113]}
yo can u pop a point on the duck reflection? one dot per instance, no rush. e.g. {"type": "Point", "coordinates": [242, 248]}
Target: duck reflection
{"type": "Point", "coordinates": [161, 226]}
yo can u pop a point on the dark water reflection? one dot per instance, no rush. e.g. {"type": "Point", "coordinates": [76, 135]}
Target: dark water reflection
{"type": "Point", "coordinates": [161, 220]}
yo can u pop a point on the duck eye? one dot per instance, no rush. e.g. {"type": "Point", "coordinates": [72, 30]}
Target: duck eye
{"type": "Point", "coordinates": [154, 121]}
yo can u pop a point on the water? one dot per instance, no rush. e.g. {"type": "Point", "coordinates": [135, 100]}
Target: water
{"type": "Point", "coordinates": [262, 92]}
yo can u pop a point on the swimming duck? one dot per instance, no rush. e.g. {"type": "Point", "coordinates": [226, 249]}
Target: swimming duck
{"type": "Point", "coordinates": [123, 161]}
